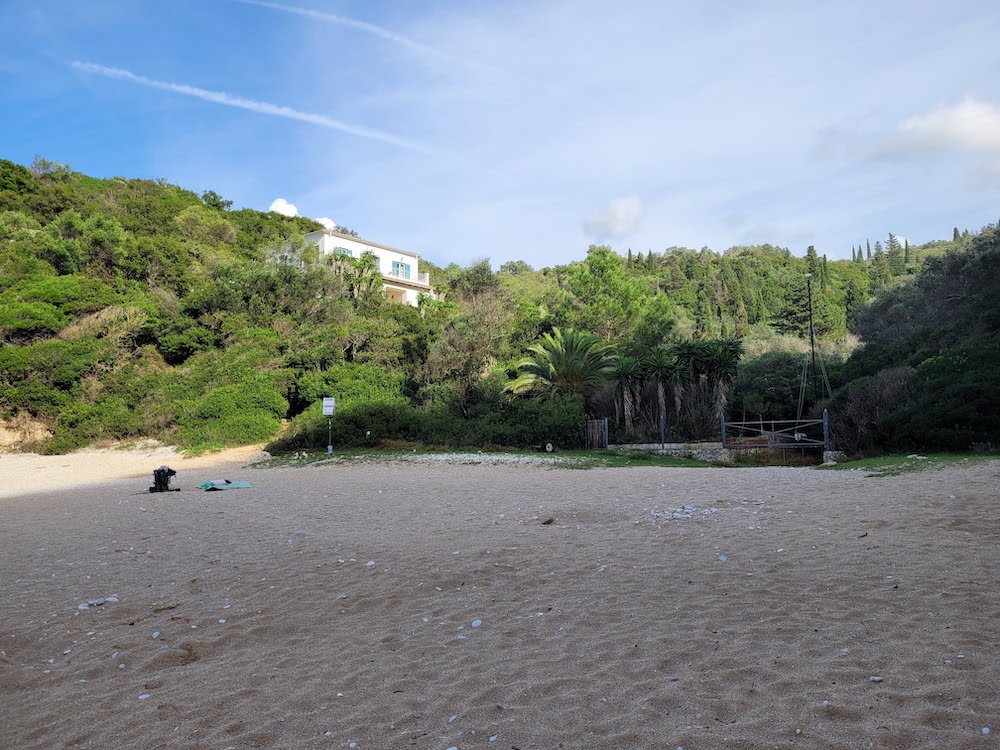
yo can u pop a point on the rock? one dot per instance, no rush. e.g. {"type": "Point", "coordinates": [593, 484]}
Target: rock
{"type": "Point", "coordinates": [722, 558]}
{"type": "Point", "coordinates": [144, 696]}
{"type": "Point", "coordinates": [476, 623]}
{"type": "Point", "coordinates": [671, 678]}
{"type": "Point", "coordinates": [874, 679]}
{"type": "Point", "coordinates": [156, 634]}
{"type": "Point", "coordinates": [370, 564]}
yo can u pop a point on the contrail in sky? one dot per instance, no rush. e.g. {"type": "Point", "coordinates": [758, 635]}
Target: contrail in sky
{"type": "Point", "coordinates": [265, 108]}
{"type": "Point", "coordinates": [353, 23]}
{"type": "Point", "coordinates": [368, 28]}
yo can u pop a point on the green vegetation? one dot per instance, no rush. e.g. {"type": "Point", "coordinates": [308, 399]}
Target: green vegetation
{"type": "Point", "coordinates": [135, 308]}
{"type": "Point", "coordinates": [890, 466]}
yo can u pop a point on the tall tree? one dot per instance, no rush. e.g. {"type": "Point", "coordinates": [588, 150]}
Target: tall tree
{"type": "Point", "coordinates": [627, 375]}
{"type": "Point", "coordinates": [660, 366]}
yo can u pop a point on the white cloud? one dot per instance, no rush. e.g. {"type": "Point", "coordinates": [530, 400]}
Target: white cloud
{"type": "Point", "coordinates": [622, 216]}
{"type": "Point", "coordinates": [969, 126]}
{"type": "Point", "coordinates": [327, 222]}
{"type": "Point", "coordinates": [228, 100]}
{"type": "Point", "coordinates": [283, 207]}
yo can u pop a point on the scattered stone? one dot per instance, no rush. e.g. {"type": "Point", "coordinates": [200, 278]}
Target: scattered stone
{"type": "Point", "coordinates": [874, 679]}
{"type": "Point", "coordinates": [722, 558]}
{"type": "Point", "coordinates": [671, 678]}
{"type": "Point", "coordinates": [370, 564]}
{"type": "Point", "coordinates": [476, 623]}
{"type": "Point", "coordinates": [986, 730]}
{"type": "Point", "coordinates": [222, 622]}
{"type": "Point", "coordinates": [352, 744]}
{"type": "Point", "coordinates": [548, 521]}
{"type": "Point", "coordinates": [493, 738]}
{"type": "Point", "coordinates": [452, 718]}
{"type": "Point", "coordinates": [121, 666]}
{"type": "Point", "coordinates": [144, 696]}
{"type": "Point", "coordinates": [951, 497]}
{"type": "Point", "coordinates": [156, 634]}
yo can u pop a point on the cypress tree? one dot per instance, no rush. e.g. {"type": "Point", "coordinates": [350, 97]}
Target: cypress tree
{"type": "Point", "coordinates": [869, 245]}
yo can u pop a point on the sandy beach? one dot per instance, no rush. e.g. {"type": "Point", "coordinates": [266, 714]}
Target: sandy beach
{"type": "Point", "coordinates": [453, 605]}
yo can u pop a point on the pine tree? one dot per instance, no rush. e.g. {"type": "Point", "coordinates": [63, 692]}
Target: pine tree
{"type": "Point", "coordinates": [812, 263]}
{"type": "Point", "coordinates": [878, 247]}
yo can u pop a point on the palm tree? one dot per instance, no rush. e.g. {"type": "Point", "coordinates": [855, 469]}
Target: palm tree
{"type": "Point", "coordinates": [628, 373]}
{"type": "Point", "coordinates": [565, 361]}
{"type": "Point", "coordinates": [662, 368]}
{"type": "Point", "coordinates": [722, 366]}
{"type": "Point", "coordinates": [693, 357]}
{"type": "Point", "coordinates": [364, 276]}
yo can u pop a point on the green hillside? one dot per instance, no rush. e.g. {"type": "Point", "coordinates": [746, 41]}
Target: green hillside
{"type": "Point", "coordinates": [133, 308]}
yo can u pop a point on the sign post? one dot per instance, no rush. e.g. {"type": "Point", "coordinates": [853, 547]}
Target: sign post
{"type": "Point", "coordinates": [329, 406]}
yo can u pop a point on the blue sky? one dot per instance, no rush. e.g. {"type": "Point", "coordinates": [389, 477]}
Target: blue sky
{"type": "Point", "coordinates": [466, 129]}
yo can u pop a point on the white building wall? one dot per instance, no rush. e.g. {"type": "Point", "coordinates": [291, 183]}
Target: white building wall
{"type": "Point", "coordinates": [393, 263]}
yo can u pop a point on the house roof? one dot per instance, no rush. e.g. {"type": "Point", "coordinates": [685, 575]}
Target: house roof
{"type": "Point", "coordinates": [363, 241]}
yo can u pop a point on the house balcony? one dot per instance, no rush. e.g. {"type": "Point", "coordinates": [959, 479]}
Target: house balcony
{"type": "Point", "coordinates": [420, 279]}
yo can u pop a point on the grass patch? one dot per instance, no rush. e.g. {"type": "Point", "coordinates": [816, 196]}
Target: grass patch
{"type": "Point", "coordinates": [892, 466]}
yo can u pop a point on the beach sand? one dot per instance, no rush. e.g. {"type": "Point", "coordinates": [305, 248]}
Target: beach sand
{"type": "Point", "coordinates": [435, 605]}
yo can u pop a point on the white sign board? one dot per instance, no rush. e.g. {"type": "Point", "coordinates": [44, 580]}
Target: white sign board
{"type": "Point", "coordinates": [329, 404]}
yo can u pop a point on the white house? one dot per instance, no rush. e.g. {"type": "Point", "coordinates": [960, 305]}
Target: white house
{"type": "Point", "coordinates": [401, 276]}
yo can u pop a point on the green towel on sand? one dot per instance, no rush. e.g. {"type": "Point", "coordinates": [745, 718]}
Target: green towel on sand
{"type": "Point", "coordinates": [222, 484]}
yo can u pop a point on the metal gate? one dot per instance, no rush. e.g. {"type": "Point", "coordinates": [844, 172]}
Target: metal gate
{"type": "Point", "coordinates": [777, 433]}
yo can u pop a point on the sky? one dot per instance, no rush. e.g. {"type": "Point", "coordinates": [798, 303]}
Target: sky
{"type": "Point", "coordinates": [530, 130]}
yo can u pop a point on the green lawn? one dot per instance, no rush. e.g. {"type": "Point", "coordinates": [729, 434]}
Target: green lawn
{"type": "Point", "coordinates": [890, 466]}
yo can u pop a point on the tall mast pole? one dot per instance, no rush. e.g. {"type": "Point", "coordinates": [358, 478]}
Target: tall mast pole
{"type": "Point", "coordinates": [812, 337]}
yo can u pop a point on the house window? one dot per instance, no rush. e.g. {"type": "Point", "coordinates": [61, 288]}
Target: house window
{"type": "Point", "coordinates": [342, 251]}
{"type": "Point", "coordinates": [401, 270]}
